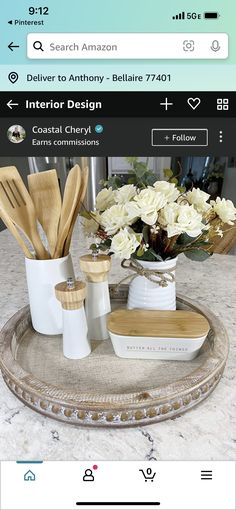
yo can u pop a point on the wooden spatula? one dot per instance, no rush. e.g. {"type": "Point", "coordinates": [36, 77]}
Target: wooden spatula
{"type": "Point", "coordinates": [83, 189]}
{"type": "Point", "coordinates": [45, 193]}
{"type": "Point", "coordinates": [11, 227]}
{"type": "Point", "coordinates": [70, 200]}
{"type": "Point", "coordinates": [16, 203]}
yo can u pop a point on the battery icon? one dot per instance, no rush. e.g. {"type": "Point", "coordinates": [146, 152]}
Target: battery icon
{"type": "Point", "coordinates": [211, 15]}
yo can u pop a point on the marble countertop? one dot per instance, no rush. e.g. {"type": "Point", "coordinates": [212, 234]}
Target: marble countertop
{"type": "Point", "coordinates": [207, 432]}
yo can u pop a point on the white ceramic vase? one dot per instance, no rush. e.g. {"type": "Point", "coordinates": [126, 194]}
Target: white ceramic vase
{"type": "Point", "coordinates": [146, 294]}
{"type": "Point", "coordinates": [42, 276]}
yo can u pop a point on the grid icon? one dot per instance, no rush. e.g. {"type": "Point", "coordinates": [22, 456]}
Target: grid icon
{"type": "Point", "coordinates": [222, 104]}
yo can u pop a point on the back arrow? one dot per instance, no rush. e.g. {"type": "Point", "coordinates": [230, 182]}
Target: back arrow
{"type": "Point", "coordinates": [10, 104]}
{"type": "Point", "coordinates": [12, 45]}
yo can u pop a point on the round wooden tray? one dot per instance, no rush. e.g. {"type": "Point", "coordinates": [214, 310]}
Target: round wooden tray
{"type": "Point", "coordinates": [102, 389]}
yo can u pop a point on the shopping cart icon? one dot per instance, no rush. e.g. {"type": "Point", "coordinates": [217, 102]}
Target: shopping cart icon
{"type": "Point", "coordinates": [148, 474]}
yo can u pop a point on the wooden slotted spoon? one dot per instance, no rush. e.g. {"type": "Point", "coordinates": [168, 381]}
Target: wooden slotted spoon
{"type": "Point", "coordinates": [45, 193]}
{"type": "Point", "coordinates": [83, 189]}
{"type": "Point", "coordinates": [69, 203]}
{"type": "Point", "coordinates": [11, 227]}
{"type": "Point", "coordinates": [15, 202]}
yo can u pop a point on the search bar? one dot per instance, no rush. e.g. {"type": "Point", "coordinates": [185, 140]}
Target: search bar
{"type": "Point", "coordinates": [127, 46]}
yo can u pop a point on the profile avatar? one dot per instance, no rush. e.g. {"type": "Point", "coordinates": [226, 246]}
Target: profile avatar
{"type": "Point", "coordinates": [16, 134]}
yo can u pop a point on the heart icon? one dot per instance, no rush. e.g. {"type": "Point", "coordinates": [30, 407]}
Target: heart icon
{"type": "Point", "coordinates": [194, 102]}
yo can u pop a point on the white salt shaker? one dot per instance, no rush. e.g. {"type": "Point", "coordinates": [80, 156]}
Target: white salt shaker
{"type": "Point", "coordinates": [97, 304]}
{"type": "Point", "coordinates": [71, 294]}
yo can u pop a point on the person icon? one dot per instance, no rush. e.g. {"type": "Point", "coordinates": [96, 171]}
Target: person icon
{"type": "Point", "coordinates": [88, 476]}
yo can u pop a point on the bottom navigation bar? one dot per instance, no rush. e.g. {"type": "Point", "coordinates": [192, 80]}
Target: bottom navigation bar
{"type": "Point", "coordinates": [97, 484]}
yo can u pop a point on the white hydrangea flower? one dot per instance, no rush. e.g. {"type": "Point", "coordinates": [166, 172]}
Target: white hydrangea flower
{"type": "Point", "coordinates": [149, 202]}
{"type": "Point", "coordinates": [114, 218]}
{"type": "Point", "coordinates": [104, 199]}
{"type": "Point", "coordinates": [198, 198]}
{"type": "Point", "coordinates": [124, 243]}
{"type": "Point", "coordinates": [224, 209]}
{"type": "Point", "coordinates": [168, 189]}
{"type": "Point", "coordinates": [124, 194]}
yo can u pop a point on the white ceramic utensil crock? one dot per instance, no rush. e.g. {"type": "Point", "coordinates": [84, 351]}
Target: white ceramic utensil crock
{"type": "Point", "coordinates": [42, 276]}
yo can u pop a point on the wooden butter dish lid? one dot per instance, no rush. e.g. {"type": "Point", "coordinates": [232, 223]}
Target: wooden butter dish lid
{"type": "Point", "coordinates": [158, 323]}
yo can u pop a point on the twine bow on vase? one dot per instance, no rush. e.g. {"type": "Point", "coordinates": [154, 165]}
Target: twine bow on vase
{"type": "Point", "coordinates": [161, 277]}
{"type": "Point", "coordinates": [155, 290]}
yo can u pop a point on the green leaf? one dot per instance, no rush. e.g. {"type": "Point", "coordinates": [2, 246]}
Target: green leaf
{"type": "Point", "coordinates": [155, 255]}
{"type": "Point", "coordinates": [184, 239]}
{"type": "Point", "coordinates": [167, 172]}
{"type": "Point", "coordinates": [131, 160]}
{"type": "Point", "coordinates": [150, 179]}
{"type": "Point", "coordinates": [147, 255]}
{"type": "Point", "coordinates": [198, 255]}
{"type": "Point", "coordinates": [140, 170]}
{"type": "Point", "coordinates": [140, 251]}
{"type": "Point", "coordinates": [113, 182]}
{"type": "Point", "coordinates": [146, 230]}
{"type": "Point", "coordinates": [181, 189]}
{"type": "Point", "coordinates": [132, 180]}
{"type": "Point", "coordinates": [94, 247]}
{"type": "Point", "coordinates": [174, 180]}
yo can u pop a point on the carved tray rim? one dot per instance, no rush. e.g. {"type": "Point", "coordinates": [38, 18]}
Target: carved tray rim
{"type": "Point", "coordinates": [109, 410]}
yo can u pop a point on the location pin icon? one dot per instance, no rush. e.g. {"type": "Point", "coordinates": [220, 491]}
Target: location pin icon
{"type": "Point", "coordinates": [13, 77]}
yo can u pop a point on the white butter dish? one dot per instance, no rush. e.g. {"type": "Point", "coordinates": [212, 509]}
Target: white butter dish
{"type": "Point", "coordinates": [156, 334]}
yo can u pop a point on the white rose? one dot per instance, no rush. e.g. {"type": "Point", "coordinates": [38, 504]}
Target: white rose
{"type": "Point", "coordinates": [199, 199]}
{"type": "Point", "coordinates": [104, 199]}
{"type": "Point", "coordinates": [177, 219]}
{"type": "Point", "coordinates": [124, 243]}
{"type": "Point", "coordinates": [225, 210]}
{"type": "Point", "coordinates": [133, 211]}
{"type": "Point", "coordinates": [168, 189]}
{"type": "Point", "coordinates": [114, 218]}
{"type": "Point", "coordinates": [149, 203]}
{"type": "Point", "coordinates": [168, 215]}
{"type": "Point", "coordinates": [190, 221]}
{"type": "Point", "coordinates": [125, 194]}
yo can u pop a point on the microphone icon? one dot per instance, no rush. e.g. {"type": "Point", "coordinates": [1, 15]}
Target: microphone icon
{"type": "Point", "coordinates": [215, 46]}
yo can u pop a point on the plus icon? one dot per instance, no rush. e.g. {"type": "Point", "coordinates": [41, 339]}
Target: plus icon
{"type": "Point", "coordinates": [166, 104]}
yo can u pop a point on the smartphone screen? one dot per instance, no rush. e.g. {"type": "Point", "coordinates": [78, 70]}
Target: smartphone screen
{"type": "Point", "coordinates": [117, 255]}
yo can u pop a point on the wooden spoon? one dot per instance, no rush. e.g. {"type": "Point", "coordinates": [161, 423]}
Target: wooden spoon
{"type": "Point", "coordinates": [70, 200]}
{"type": "Point", "coordinates": [11, 227]}
{"type": "Point", "coordinates": [83, 189]}
{"type": "Point", "coordinates": [45, 193]}
{"type": "Point", "coordinates": [15, 202]}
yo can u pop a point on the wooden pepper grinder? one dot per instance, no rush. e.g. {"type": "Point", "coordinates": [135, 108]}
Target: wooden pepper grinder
{"type": "Point", "coordinates": [97, 304]}
{"type": "Point", "coordinates": [71, 294]}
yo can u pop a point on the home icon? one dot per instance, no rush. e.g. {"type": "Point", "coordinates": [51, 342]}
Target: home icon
{"type": "Point", "coordinates": [29, 476]}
